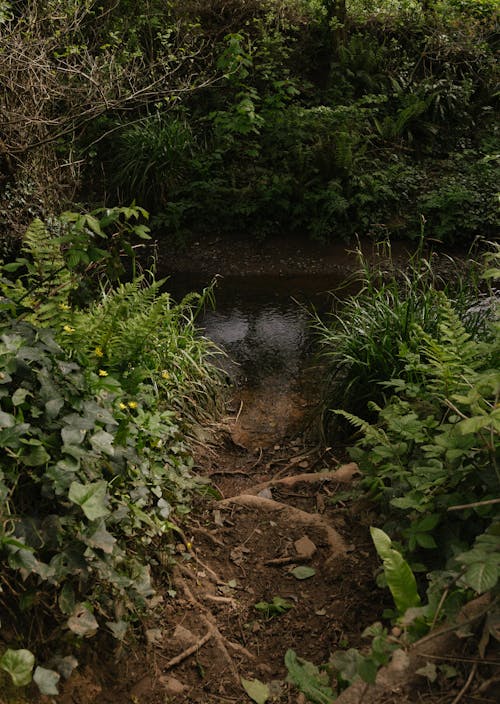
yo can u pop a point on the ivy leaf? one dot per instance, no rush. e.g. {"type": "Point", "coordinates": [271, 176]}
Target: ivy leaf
{"type": "Point", "coordinates": [103, 442]}
{"type": "Point", "coordinates": [256, 690]}
{"type": "Point", "coordinates": [90, 497]}
{"type": "Point", "coordinates": [82, 621]}
{"type": "Point", "coordinates": [98, 537]}
{"type": "Point", "coordinates": [19, 664]}
{"type": "Point", "coordinates": [46, 680]}
{"type": "Point", "coordinates": [303, 572]}
{"type": "Point", "coordinates": [37, 456]}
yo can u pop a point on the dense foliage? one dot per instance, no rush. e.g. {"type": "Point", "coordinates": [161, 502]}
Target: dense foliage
{"type": "Point", "coordinates": [429, 457]}
{"type": "Point", "coordinates": [96, 401]}
{"type": "Point", "coordinates": [319, 117]}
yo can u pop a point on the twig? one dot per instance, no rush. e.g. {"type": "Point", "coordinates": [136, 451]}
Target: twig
{"type": "Point", "coordinates": [486, 502]}
{"type": "Point", "coordinates": [190, 651]}
{"type": "Point", "coordinates": [467, 684]}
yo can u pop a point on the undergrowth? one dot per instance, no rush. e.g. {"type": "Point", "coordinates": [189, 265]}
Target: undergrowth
{"type": "Point", "coordinates": [429, 458]}
{"type": "Point", "coordinates": [99, 387]}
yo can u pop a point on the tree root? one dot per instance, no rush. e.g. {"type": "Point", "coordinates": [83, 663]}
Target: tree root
{"type": "Point", "coordinates": [344, 474]}
{"type": "Point", "coordinates": [213, 632]}
{"type": "Point", "coordinates": [292, 515]}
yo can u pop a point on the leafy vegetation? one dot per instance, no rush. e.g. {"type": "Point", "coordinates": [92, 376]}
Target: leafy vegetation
{"type": "Point", "coordinates": [96, 401]}
{"type": "Point", "coordinates": [309, 116]}
{"type": "Point", "coordinates": [428, 453]}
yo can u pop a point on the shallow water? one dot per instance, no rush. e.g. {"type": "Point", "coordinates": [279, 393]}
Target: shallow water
{"type": "Point", "coordinates": [263, 323]}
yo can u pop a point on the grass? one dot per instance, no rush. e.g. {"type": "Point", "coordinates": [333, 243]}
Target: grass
{"type": "Point", "coordinates": [362, 340]}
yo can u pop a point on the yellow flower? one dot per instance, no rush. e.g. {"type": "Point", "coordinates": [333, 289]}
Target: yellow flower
{"type": "Point", "coordinates": [68, 328]}
{"type": "Point", "coordinates": [122, 406]}
{"type": "Point", "coordinates": [132, 404]}
{"type": "Point", "coordinates": [98, 352]}
{"type": "Point", "coordinates": [165, 374]}
{"type": "Point", "coordinates": [102, 372]}
{"type": "Point", "coordinates": [63, 306]}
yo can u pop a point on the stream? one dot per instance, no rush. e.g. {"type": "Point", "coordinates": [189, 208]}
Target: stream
{"type": "Point", "coordinates": [263, 324]}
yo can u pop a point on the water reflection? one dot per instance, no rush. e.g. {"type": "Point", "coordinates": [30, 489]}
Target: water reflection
{"type": "Point", "coordinates": [263, 341]}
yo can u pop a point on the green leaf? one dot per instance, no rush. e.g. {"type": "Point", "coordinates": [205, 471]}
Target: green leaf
{"type": "Point", "coordinates": [37, 456]}
{"type": "Point", "coordinates": [303, 572]}
{"type": "Point", "coordinates": [142, 232]}
{"type": "Point", "coordinates": [308, 679]}
{"type": "Point", "coordinates": [103, 442]}
{"type": "Point", "coordinates": [256, 690]}
{"type": "Point", "coordinates": [425, 541]}
{"type": "Point", "coordinates": [90, 497]}
{"type": "Point", "coordinates": [472, 425]}
{"type": "Point", "coordinates": [367, 670]}
{"type": "Point", "coordinates": [400, 579]}
{"type": "Point", "coordinates": [46, 681]}
{"type": "Point", "coordinates": [19, 396]}
{"type": "Point", "coordinates": [7, 420]}
{"type": "Point", "coordinates": [19, 664]}
{"type": "Point", "coordinates": [481, 576]}
{"type": "Point", "coordinates": [98, 537]}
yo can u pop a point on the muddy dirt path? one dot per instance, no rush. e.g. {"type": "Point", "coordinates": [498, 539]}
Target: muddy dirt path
{"type": "Point", "coordinates": [234, 603]}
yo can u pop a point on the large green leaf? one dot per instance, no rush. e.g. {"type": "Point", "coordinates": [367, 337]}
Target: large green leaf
{"type": "Point", "coordinates": [400, 579]}
{"type": "Point", "coordinates": [19, 664]}
{"type": "Point", "coordinates": [90, 497]}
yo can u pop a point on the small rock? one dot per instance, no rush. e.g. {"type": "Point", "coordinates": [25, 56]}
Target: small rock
{"type": "Point", "coordinates": [304, 464]}
{"type": "Point", "coordinates": [184, 636]}
{"type": "Point", "coordinates": [266, 493]}
{"type": "Point", "coordinates": [154, 636]}
{"type": "Point", "coordinates": [305, 547]}
{"type": "Point", "coordinates": [172, 685]}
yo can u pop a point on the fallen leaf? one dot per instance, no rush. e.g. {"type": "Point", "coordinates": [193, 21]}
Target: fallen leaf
{"type": "Point", "coordinates": [303, 572]}
{"type": "Point", "coordinates": [256, 690]}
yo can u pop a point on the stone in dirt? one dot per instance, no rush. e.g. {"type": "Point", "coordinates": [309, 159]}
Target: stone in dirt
{"type": "Point", "coordinates": [172, 685]}
{"type": "Point", "coordinates": [305, 547]}
{"type": "Point", "coordinates": [184, 637]}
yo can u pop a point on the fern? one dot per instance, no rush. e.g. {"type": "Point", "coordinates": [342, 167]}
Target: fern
{"type": "Point", "coordinates": [451, 354]}
{"type": "Point", "coordinates": [48, 282]}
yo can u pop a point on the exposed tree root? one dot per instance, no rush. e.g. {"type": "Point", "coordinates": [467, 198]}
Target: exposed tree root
{"type": "Point", "coordinates": [343, 474]}
{"type": "Point", "coordinates": [291, 514]}
{"type": "Point", "coordinates": [189, 651]}
{"type": "Point", "coordinates": [213, 632]}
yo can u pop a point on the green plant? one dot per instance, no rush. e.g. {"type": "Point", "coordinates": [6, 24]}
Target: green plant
{"type": "Point", "coordinates": [363, 344]}
{"type": "Point", "coordinates": [276, 607]}
{"type": "Point", "coordinates": [93, 422]}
